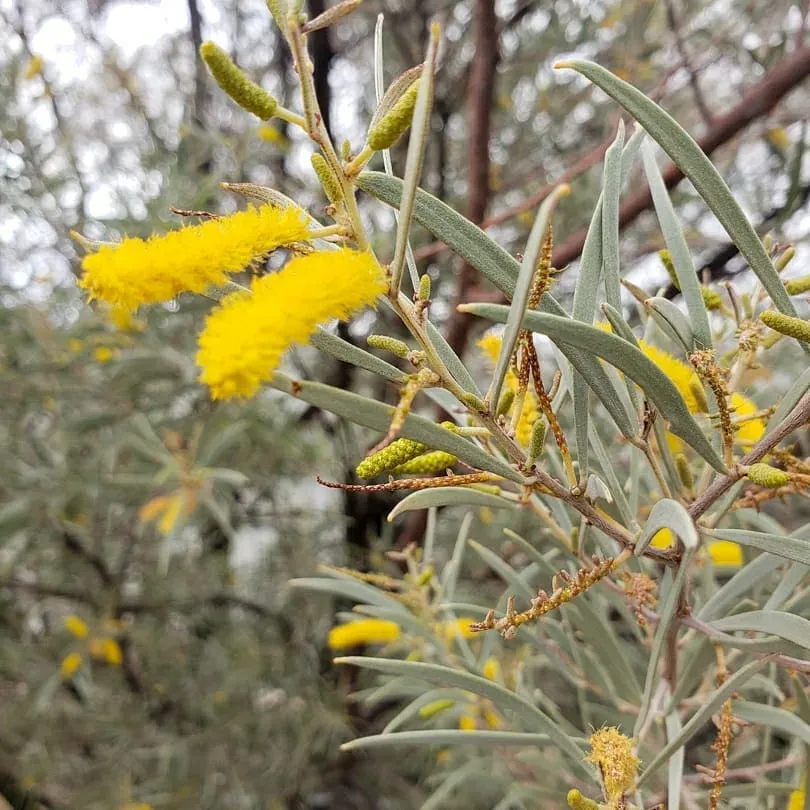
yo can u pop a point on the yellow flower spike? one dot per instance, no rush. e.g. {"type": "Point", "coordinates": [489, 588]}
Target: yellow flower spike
{"type": "Point", "coordinates": [767, 476]}
{"type": "Point", "coordinates": [397, 453]}
{"type": "Point", "coordinates": [191, 259]}
{"type": "Point", "coordinates": [235, 83]}
{"type": "Point", "coordinates": [435, 707]}
{"type": "Point", "coordinates": [69, 665]}
{"type": "Point", "coordinates": [75, 626]}
{"type": "Point", "coordinates": [364, 631]}
{"type": "Point", "coordinates": [434, 462]}
{"type": "Point", "coordinates": [725, 554]}
{"type": "Point", "coordinates": [329, 183]}
{"type": "Point", "coordinates": [103, 354]}
{"type": "Point", "coordinates": [787, 325]}
{"type": "Point", "coordinates": [796, 801]}
{"type": "Point", "coordinates": [113, 654]}
{"type": "Point", "coordinates": [467, 723]}
{"type": "Point", "coordinates": [245, 338]}
{"type": "Point", "coordinates": [576, 801]}
{"type": "Point", "coordinates": [615, 756]}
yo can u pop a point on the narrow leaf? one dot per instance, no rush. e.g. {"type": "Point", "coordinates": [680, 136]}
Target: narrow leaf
{"type": "Point", "coordinates": [346, 352]}
{"type": "Point", "coordinates": [782, 545]}
{"type": "Point", "coordinates": [668, 514]}
{"type": "Point", "coordinates": [449, 496]}
{"type": "Point", "coordinates": [775, 622]}
{"type": "Point", "coordinates": [775, 718]}
{"type": "Point", "coordinates": [447, 737]}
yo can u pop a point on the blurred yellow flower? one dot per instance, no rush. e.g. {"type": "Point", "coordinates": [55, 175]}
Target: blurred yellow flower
{"type": "Point", "coordinates": [778, 137]}
{"type": "Point", "coordinates": [191, 259]}
{"type": "Point", "coordinates": [169, 508]}
{"type": "Point", "coordinates": [75, 345]}
{"type": "Point", "coordinates": [33, 68]}
{"type": "Point", "coordinates": [123, 320]}
{"type": "Point", "coordinates": [663, 539]}
{"type": "Point", "coordinates": [460, 628]}
{"type": "Point", "coordinates": [70, 664]}
{"type": "Point", "coordinates": [493, 719]}
{"type": "Point", "coordinates": [680, 374]}
{"type": "Point", "coordinates": [103, 354]}
{"type": "Point", "coordinates": [725, 553]}
{"type": "Point", "coordinates": [245, 338]}
{"type": "Point", "coordinates": [364, 631]}
{"type": "Point", "coordinates": [492, 669]}
{"type": "Point", "coordinates": [271, 134]}
{"type": "Point", "coordinates": [467, 722]}
{"type": "Point", "coordinates": [75, 626]}
{"type": "Point", "coordinates": [435, 707]}
{"type": "Point", "coordinates": [796, 801]}
{"type": "Point", "coordinates": [752, 430]}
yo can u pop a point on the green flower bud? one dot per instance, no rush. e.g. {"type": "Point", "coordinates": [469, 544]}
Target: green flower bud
{"type": "Point", "coordinates": [474, 402]}
{"type": "Point", "coordinates": [576, 801]}
{"type": "Point", "coordinates": [797, 286]}
{"type": "Point", "coordinates": [787, 325]}
{"type": "Point", "coordinates": [435, 707]}
{"type": "Point", "coordinates": [397, 453]}
{"type": "Point", "coordinates": [767, 476]}
{"type": "Point", "coordinates": [424, 287]}
{"type": "Point", "coordinates": [385, 133]}
{"type": "Point", "coordinates": [666, 260]}
{"type": "Point", "coordinates": [389, 344]}
{"type": "Point", "coordinates": [711, 299]}
{"type": "Point", "coordinates": [684, 471]}
{"type": "Point", "coordinates": [235, 83]}
{"type": "Point", "coordinates": [696, 387]}
{"type": "Point", "coordinates": [328, 181]}
{"type": "Point", "coordinates": [433, 462]}
{"type": "Point", "coordinates": [537, 440]}
{"type": "Point", "coordinates": [785, 259]}
{"type": "Point", "coordinates": [505, 402]}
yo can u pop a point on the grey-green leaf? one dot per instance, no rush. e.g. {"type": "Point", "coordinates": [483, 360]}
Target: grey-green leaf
{"type": "Point", "coordinates": [450, 496]}
{"type": "Point", "coordinates": [782, 545]}
{"type": "Point", "coordinates": [668, 514]}
{"type": "Point", "coordinates": [775, 622]}
{"type": "Point", "coordinates": [775, 718]}
{"type": "Point", "coordinates": [447, 737]}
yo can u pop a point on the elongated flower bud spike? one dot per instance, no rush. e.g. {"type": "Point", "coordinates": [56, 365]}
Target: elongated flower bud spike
{"type": "Point", "coordinates": [666, 260]}
{"type": "Point", "coordinates": [397, 453]}
{"type": "Point", "coordinates": [787, 325]}
{"type": "Point", "coordinates": [424, 287]}
{"type": "Point", "coordinates": [767, 476]}
{"type": "Point", "coordinates": [684, 471]}
{"type": "Point", "coordinates": [505, 402]}
{"type": "Point", "coordinates": [328, 181]}
{"type": "Point", "coordinates": [235, 83]}
{"type": "Point", "coordinates": [711, 298]}
{"type": "Point", "coordinates": [797, 286]}
{"type": "Point", "coordinates": [389, 344]}
{"type": "Point", "coordinates": [427, 464]}
{"type": "Point", "coordinates": [537, 441]}
{"type": "Point", "coordinates": [387, 130]}
{"type": "Point", "coordinates": [785, 259]}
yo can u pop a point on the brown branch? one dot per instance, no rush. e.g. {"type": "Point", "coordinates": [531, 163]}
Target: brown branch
{"type": "Point", "coordinates": [799, 416]}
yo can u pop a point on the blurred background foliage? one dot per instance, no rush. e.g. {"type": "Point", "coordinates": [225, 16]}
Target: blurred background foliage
{"type": "Point", "coordinates": [169, 526]}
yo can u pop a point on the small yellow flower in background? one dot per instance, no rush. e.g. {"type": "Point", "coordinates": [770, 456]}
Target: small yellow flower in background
{"type": "Point", "coordinates": [70, 664]}
{"type": "Point", "coordinates": [467, 722]}
{"type": "Point", "coordinates": [680, 374]}
{"type": "Point", "coordinates": [271, 134]}
{"type": "Point", "coordinates": [615, 756]}
{"type": "Point", "coordinates": [137, 271]}
{"type": "Point", "coordinates": [103, 354]}
{"type": "Point", "coordinates": [76, 626]}
{"type": "Point", "coordinates": [796, 801]}
{"type": "Point", "coordinates": [435, 707]}
{"type": "Point", "coordinates": [460, 628]}
{"type": "Point", "coordinates": [778, 137]}
{"type": "Point", "coordinates": [490, 345]}
{"type": "Point", "coordinates": [725, 553]}
{"type": "Point", "coordinates": [123, 320]}
{"type": "Point", "coordinates": [107, 650]}
{"type": "Point", "coordinates": [364, 631]}
{"type": "Point", "coordinates": [75, 345]}
{"type": "Point", "coordinates": [244, 339]}
{"type": "Point", "coordinates": [493, 719]}
{"type": "Point", "coordinates": [169, 509]}
{"type": "Point", "coordinates": [491, 670]}
{"type": "Point", "coordinates": [33, 68]}
{"type": "Point", "coordinates": [752, 430]}
{"type": "Point", "coordinates": [663, 539]}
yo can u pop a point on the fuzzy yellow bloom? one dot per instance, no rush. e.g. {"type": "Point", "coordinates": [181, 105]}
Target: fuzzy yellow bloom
{"type": "Point", "coordinates": [70, 664]}
{"type": "Point", "coordinates": [460, 628]}
{"type": "Point", "coordinates": [169, 509]}
{"type": "Point", "coordinates": [33, 68]}
{"type": "Point", "coordinates": [123, 320]}
{"type": "Point", "coordinates": [103, 354]}
{"type": "Point", "coordinates": [725, 553]}
{"type": "Point", "coordinates": [364, 631]}
{"type": "Point", "coordinates": [244, 339]}
{"type": "Point", "coordinates": [796, 801]}
{"type": "Point", "coordinates": [680, 374]}
{"type": "Point", "coordinates": [272, 134]}
{"type": "Point", "coordinates": [492, 669]}
{"type": "Point", "coordinates": [467, 722]}
{"type": "Point", "coordinates": [75, 345]}
{"type": "Point", "coordinates": [490, 345]}
{"type": "Point", "coordinates": [752, 430]}
{"type": "Point", "coordinates": [113, 654]}
{"type": "Point", "coordinates": [75, 626]}
{"type": "Point", "coordinates": [614, 755]}
{"type": "Point", "coordinates": [191, 259]}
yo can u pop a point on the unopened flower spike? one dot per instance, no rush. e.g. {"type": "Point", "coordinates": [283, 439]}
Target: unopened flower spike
{"type": "Point", "coordinates": [235, 83]}
{"type": "Point", "coordinates": [245, 338]}
{"type": "Point", "coordinates": [797, 286]}
{"type": "Point", "coordinates": [327, 178]}
{"type": "Point", "coordinates": [137, 271]}
{"type": "Point", "coordinates": [427, 464]}
{"type": "Point", "coordinates": [785, 259]}
{"type": "Point", "coordinates": [397, 453]}
{"type": "Point", "coordinates": [389, 344]}
{"type": "Point", "coordinates": [389, 128]}
{"type": "Point", "coordinates": [787, 325]}
{"type": "Point", "coordinates": [767, 476]}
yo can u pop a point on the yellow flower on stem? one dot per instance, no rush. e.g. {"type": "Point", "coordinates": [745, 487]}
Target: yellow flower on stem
{"type": "Point", "coordinates": [75, 626]}
{"type": "Point", "coordinates": [725, 554]}
{"type": "Point", "coordinates": [103, 354]}
{"type": "Point", "coordinates": [615, 756]}
{"type": "Point", "coordinates": [467, 722]}
{"type": "Point", "coordinates": [169, 509]}
{"type": "Point", "coordinates": [460, 628]}
{"type": "Point", "coordinates": [364, 631]}
{"type": "Point", "coordinates": [796, 800]}
{"type": "Point", "coordinates": [70, 664]}
{"type": "Point", "coordinates": [244, 339]}
{"type": "Point", "coordinates": [138, 271]}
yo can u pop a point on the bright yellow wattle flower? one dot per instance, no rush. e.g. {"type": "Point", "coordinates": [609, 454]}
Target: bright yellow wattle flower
{"type": "Point", "coordinates": [244, 339]}
{"type": "Point", "coordinates": [364, 631]}
{"type": "Point", "coordinates": [490, 345]}
{"type": "Point", "coordinates": [138, 271]}
{"type": "Point", "coordinates": [460, 628]}
{"type": "Point", "coordinates": [796, 801]}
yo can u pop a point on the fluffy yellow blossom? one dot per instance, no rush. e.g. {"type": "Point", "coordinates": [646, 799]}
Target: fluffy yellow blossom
{"type": "Point", "coordinates": [796, 801]}
{"type": "Point", "coordinates": [123, 320]}
{"type": "Point", "coordinates": [244, 339]}
{"type": "Point", "coordinates": [75, 345]}
{"type": "Point", "coordinates": [103, 354]}
{"type": "Point", "coordinates": [725, 553]}
{"type": "Point", "coordinates": [490, 345]}
{"type": "Point", "coordinates": [70, 664]}
{"type": "Point", "coordinates": [460, 628]}
{"type": "Point", "coordinates": [614, 755]}
{"type": "Point", "coordinates": [364, 631]}
{"type": "Point", "coordinates": [752, 430]}
{"type": "Point", "coordinates": [191, 259]}
{"type": "Point", "coordinates": [492, 669]}
{"type": "Point", "coordinates": [76, 626]}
